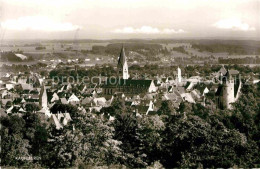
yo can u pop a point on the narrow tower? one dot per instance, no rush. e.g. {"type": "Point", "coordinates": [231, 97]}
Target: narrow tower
{"type": "Point", "coordinates": [228, 96]}
{"type": "Point", "coordinates": [179, 74]}
{"type": "Point", "coordinates": [122, 67]}
{"type": "Point", "coordinates": [43, 98]}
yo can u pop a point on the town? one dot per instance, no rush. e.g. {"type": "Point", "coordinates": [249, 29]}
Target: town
{"type": "Point", "coordinates": [143, 95]}
{"type": "Point", "coordinates": [55, 98]}
{"type": "Point", "coordinates": [129, 84]}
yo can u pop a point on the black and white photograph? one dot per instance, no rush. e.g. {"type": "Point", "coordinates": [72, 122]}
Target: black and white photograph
{"type": "Point", "coordinates": [118, 84]}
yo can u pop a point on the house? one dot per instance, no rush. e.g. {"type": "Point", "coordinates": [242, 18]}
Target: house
{"type": "Point", "coordinates": [26, 86]}
{"type": "Point", "coordinates": [73, 99]}
{"type": "Point", "coordinates": [55, 97]}
{"type": "Point", "coordinates": [9, 86]}
{"type": "Point", "coordinates": [188, 97]}
{"type": "Point", "coordinates": [101, 101]}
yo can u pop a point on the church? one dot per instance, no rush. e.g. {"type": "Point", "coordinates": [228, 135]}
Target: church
{"type": "Point", "coordinates": [124, 83]}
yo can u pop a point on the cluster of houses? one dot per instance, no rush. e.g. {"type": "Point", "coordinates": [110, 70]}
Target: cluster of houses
{"type": "Point", "coordinates": [143, 96]}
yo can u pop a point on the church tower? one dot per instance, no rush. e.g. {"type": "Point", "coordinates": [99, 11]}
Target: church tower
{"type": "Point", "coordinates": [179, 74]}
{"type": "Point", "coordinates": [228, 95]}
{"type": "Point", "coordinates": [122, 67]}
{"type": "Point", "coordinates": [43, 98]}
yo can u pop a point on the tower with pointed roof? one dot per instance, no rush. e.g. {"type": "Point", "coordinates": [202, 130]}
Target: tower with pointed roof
{"type": "Point", "coordinates": [43, 100]}
{"type": "Point", "coordinates": [122, 67]}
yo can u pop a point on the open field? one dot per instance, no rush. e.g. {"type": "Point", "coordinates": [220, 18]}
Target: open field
{"type": "Point", "coordinates": [57, 51]}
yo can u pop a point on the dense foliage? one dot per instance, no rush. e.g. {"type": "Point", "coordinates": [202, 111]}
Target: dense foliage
{"type": "Point", "coordinates": [247, 60]}
{"type": "Point", "coordinates": [231, 47]}
{"type": "Point", "coordinates": [196, 136]}
{"type": "Point", "coordinates": [146, 49]}
{"type": "Point", "coordinates": [11, 57]}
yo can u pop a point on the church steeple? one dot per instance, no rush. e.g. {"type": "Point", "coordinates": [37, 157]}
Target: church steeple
{"type": "Point", "coordinates": [122, 66]}
{"type": "Point", "coordinates": [43, 97]}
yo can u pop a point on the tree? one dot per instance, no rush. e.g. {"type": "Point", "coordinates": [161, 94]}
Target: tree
{"type": "Point", "coordinates": [149, 132]}
{"type": "Point", "coordinates": [167, 108]}
{"type": "Point", "coordinates": [87, 140]}
{"type": "Point", "coordinates": [126, 131]}
{"type": "Point", "coordinates": [194, 142]}
{"type": "Point", "coordinates": [185, 107]}
{"type": "Point", "coordinates": [32, 107]}
{"type": "Point", "coordinates": [59, 107]}
{"type": "Point", "coordinates": [14, 148]}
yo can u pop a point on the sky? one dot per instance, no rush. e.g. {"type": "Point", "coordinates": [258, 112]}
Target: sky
{"type": "Point", "coordinates": [124, 19]}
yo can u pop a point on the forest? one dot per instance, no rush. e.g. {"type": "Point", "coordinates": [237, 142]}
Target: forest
{"type": "Point", "coordinates": [231, 49]}
{"type": "Point", "coordinates": [11, 57]}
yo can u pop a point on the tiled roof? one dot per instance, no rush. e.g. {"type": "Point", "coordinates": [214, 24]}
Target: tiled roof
{"type": "Point", "coordinates": [73, 98]}
{"type": "Point", "coordinates": [63, 100]}
{"type": "Point", "coordinates": [128, 82]}
{"type": "Point", "coordinates": [222, 70]}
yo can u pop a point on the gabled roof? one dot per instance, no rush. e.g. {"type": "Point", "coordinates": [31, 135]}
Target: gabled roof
{"type": "Point", "coordinates": [87, 100]}
{"type": "Point", "coordinates": [222, 70]}
{"type": "Point", "coordinates": [55, 97]}
{"type": "Point", "coordinates": [188, 97]}
{"type": "Point", "coordinates": [180, 89]}
{"type": "Point", "coordinates": [233, 72]}
{"type": "Point", "coordinates": [170, 96]}
{"type": "Point", "coordinates": [201, 87]}
{"type": "Point", "coordinates": [196, 94]}
{"type": "Point", "coordinates": [73, 98]}
{"type": "Point", "coordinates": [67, 116]}
{"type": "Point", "coordinates": [26, 86]}
{"type": "Point", "coordinates": [34, 96]}
{"type": "Point", "coordinates": [21, 110]}
{"type": "Point", "coordinates": [23, 101]}
{"type": "Point", "coordinates": [149, 96]}
{"type": "Point", "coordinates": [101, 101]}
{"type": "Point", "coordinates": [9, 110]}
{"type": "Point", "coordinates": [190, 85]}
{"type": "Point", "coordinates": [54, 120]}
